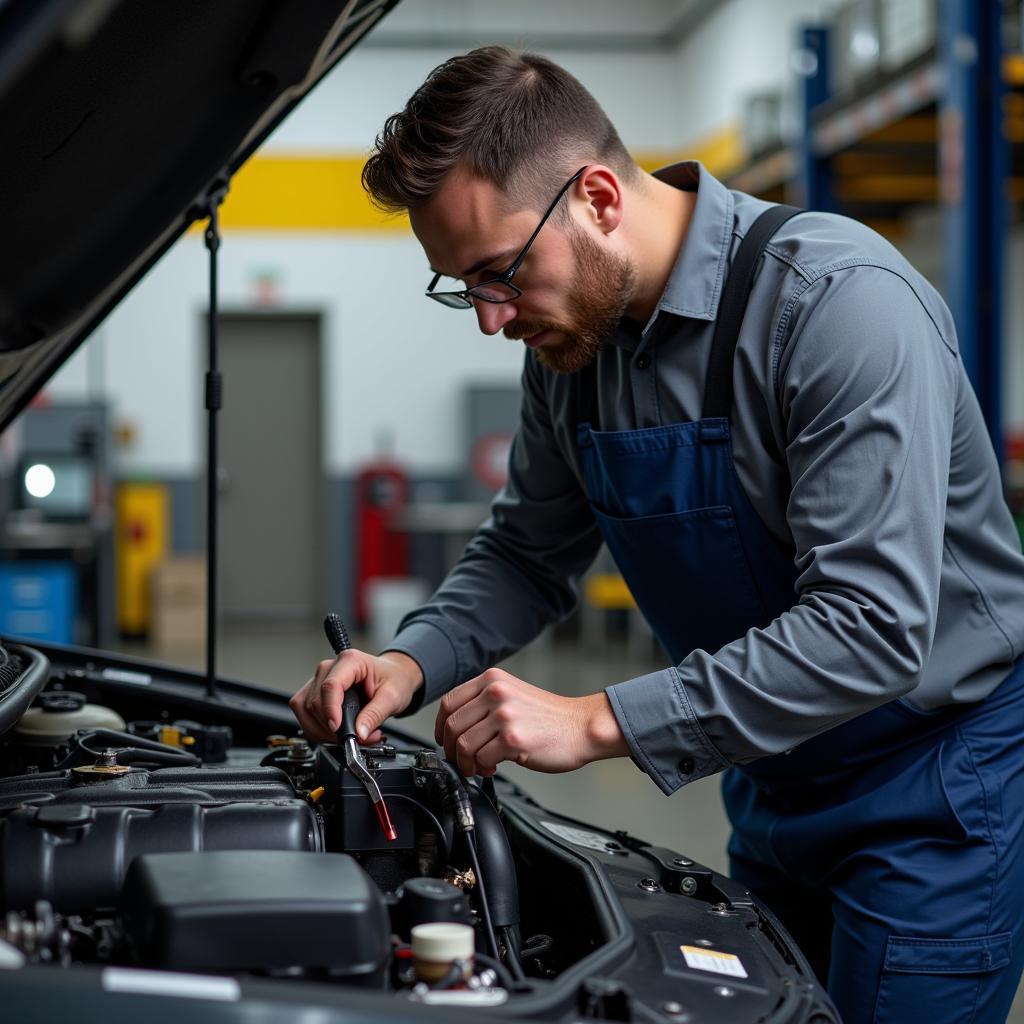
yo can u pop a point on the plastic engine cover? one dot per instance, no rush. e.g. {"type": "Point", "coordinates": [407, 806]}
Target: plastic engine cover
{"type": "Point", "coordinates": [71, 844]}
{"type": "Point", "coordinates": [257, 910]}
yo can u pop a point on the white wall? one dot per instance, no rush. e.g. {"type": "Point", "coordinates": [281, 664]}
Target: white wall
{"type": "Point", "coordinates": [392, 359]}
{"type": "Point", "coordinates": [347, 109]}
{"type": "Point", "coordinates": [743, 47]}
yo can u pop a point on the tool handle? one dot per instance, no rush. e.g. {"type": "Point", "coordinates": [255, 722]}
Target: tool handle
{"type": "Point", "coordinates": [350, 708]}
{"type": "Point", "coordinates": [337, 635]}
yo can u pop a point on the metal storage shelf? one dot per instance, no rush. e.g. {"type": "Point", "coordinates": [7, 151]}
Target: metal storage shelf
{"type": "Point", "coordinates": [945, 129]}
{"type": "Point", "coordinates": [882, 144]}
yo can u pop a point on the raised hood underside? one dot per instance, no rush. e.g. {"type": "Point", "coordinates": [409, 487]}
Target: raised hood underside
{"type": "Point", "coordinates": [116, 117]}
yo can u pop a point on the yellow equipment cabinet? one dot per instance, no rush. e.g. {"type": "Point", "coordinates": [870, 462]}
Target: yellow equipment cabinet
{"type": "Point", "coordinates": [143, 526]}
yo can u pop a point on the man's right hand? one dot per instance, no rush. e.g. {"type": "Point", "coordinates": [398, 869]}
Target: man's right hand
{"type": "Point", "coordinates": [389, 679]}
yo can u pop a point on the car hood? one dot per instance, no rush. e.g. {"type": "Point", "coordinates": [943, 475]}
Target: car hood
{"type": "Point", "coordinates": [117, 117]}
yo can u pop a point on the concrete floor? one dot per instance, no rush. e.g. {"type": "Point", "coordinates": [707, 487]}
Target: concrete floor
{"type": "Point", "coordinates": [614, 794]}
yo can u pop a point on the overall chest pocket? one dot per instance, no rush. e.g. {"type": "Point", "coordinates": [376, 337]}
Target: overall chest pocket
{"type": "Point", "coordinates": [689, 575]}
{"type": "Point", "coordinates": [657, 471]}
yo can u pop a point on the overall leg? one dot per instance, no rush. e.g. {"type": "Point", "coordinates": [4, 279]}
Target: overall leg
{"type": "Point", "coordinates": [930, 905]}
{"type": "Point", "coordinates": [805, 912]}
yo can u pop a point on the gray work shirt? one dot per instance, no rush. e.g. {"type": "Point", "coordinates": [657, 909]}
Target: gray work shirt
{"type": "Point", "coordinates": [859, 442]}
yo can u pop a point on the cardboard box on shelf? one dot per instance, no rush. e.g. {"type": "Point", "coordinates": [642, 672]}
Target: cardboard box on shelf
{"type": "Point", "coordinates": [178, 592]}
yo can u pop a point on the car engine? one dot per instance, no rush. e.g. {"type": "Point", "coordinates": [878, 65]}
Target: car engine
{"type": "Point", "coordinates": [164, 843]}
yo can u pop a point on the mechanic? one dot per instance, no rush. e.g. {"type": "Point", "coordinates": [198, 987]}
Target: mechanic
{"type": "Point", "coordinates": [796, 482]}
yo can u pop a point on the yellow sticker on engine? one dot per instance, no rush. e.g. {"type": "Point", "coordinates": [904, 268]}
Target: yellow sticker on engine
{"type": "Point", "coordinates": [713, 960]}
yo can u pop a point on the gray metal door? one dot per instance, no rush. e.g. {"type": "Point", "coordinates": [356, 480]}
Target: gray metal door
{"type": "Point", "coordinates": [270, 478]}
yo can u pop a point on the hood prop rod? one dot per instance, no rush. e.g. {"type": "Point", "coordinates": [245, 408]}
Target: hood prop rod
{"type": "Point", "coordinates": [214, 401]}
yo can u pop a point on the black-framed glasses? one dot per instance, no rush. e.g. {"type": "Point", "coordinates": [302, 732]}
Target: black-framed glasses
{"type": "Point", "coordinates": [497, 289]}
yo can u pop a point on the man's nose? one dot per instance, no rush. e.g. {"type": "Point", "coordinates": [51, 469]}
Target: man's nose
{"type": "Point", "coordinates": [492, 316]}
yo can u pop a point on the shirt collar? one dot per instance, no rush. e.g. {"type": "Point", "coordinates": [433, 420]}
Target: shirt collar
{"type": "Point", "coordinates": [695, 285]}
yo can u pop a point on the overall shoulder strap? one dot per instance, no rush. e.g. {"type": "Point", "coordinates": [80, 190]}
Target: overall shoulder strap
{"type": "Point", "coordinates": [733, 306]}
{"type": "Point", "coordinates": [585, 394]}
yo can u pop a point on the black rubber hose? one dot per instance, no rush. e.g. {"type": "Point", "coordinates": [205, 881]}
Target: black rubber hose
{"type": "Point", "coordinates": [500, 969]}
{"type": "Point", "coordinates": [536, 945]}
{"type": "Point", "coordinates": [467, 803]}
{"type": "Point", "coordinates": [456, 792]}
{"type": "Point", "coordinates": [489, 791]}
{"type": "Point", "coordinates": [130, 750]}
{"type": "Point", "coordinates": [140, 755]}
{"type": "Point", "coordinates": [512, 940]}
{"type": "Point", "coordinates": [452, 977]}
{"type": "Point", "coordinates": [512, 946]}
{"type": "Point", "coordinates": [485, 909]}
{"type": "Point", "coordinates": [111, 738]}
{"type": "Point", "coordinates": [496, 860]}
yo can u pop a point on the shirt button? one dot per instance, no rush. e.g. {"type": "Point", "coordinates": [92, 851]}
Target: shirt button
{"type": "Point", "coordinates": [642, 362]}
{"type": "Point", "coordinates": [686, 766]}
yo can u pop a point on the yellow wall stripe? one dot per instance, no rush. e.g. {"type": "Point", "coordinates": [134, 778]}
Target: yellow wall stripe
{"type": "Point", "coordinates": [323, 193]}
{"type": "Point", "coordinates": [303, 193]}
{"type": "Point", "coordinates": [722, 152]}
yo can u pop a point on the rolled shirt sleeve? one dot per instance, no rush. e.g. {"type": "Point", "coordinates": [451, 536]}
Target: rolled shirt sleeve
{"type": "Point", "coordinates": [867, 386]}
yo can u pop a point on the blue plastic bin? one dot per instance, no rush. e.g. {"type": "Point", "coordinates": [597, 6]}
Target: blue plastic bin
{"type": "Point", "coordinates": [38, 600]}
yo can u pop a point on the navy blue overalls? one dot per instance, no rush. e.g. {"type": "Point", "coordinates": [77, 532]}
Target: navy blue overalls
{"type": "Point", "coordinates": [889, 846]}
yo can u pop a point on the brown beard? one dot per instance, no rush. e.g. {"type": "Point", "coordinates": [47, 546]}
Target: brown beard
{"type": "Point", "coordinates": [602, 286]}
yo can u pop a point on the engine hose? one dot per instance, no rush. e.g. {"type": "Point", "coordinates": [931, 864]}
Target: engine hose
{"type": "Point", "coordinates": [500, 969]}
{"type": "Point", "coordinates": [489, 791]}
{"type": "Point", "coordinates": [129, 750]}
{"type": "Point", "coordinates": [485, 908]}
{"type": "Point", "coordinates": [510, 933]}
{"type": "Point", "coordinates": [454, 975]}
{"type": "Point", "coordinates": [497, 862]}
{"type": "Point", "coordinates": [511, 937]}
{"type": "Point", "coordinates": [491, 858]}
{"type": "Point", "coordinates": [536, 945]}
{"type": "Point", "coordinates": [456, 792]}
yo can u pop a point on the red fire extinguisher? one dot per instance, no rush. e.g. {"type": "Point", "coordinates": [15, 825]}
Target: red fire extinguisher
{"type": "Point", "coordinates": [382, 489]}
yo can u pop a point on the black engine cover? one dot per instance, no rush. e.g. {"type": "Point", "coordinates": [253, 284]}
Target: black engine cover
{"type": "Point", "coordinates": [72, 844]}
{"type": "Point", "coordinates": [257, 911]}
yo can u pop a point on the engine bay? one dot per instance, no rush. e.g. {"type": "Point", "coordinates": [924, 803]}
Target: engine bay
{"type": "Point", "coordinates": [166, 844]}
{"type": "Point", "coordinates": [149, 830]}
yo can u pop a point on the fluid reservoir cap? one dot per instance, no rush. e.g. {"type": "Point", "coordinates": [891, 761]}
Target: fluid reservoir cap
{"type": "Point", "coordinates": [43, 725]}
{"type": "Point", "coordinates": [429, 900]}
{"type": "Point", "coordinates": [443, 942]}
{"type": "Point", "coordinates": [62, 700]}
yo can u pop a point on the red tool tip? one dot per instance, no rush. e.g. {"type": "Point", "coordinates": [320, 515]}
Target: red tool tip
{"type": "Point", "coordinates": [385, 821]}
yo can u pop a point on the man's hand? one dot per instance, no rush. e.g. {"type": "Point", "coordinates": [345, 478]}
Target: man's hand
{"type": "Point", "coordinates": [390, 680]}
{"type": "Point", "coordinates": [497, 717]}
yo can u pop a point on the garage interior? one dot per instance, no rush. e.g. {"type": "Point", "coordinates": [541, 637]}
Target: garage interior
{"type": "Point", "coordinates": [355, 485]}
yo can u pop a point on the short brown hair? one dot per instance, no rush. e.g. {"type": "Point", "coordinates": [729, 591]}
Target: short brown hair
{"type": "Point", "coordinates": [515, 119]}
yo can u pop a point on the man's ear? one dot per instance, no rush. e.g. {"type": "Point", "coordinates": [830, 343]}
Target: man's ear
{"type": "Point", "coordinates": [599, 187]}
